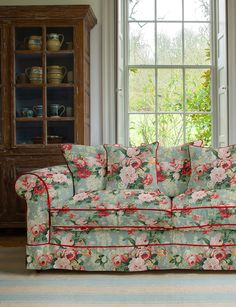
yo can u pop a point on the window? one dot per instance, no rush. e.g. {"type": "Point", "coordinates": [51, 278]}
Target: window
{"type": "Point", "coordinates": [170, 71]}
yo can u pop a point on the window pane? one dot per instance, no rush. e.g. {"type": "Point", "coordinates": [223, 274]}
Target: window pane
{"type": "Point", "coordinates": [169, 9]}
{"type": "Point", "coordinates": [142, 90]}
{"type": "Point", "coordinates": [198, 90]}
{"type": "Point", "coordinates": [170, 90]}
{"type": "Point", "coordinates": [141, 43]}
{"type": "Point", "coordinates": [197, 44]}
{"type": "Point", "coordinates": [198, 126]}
{"type": "Point", "coordinates": [141, 10]}
{"type": "Point", "coordinates": [169, 43]}
{"type": "Point", "coordinates": [142, 129]}
{"type": "Point", "coordinates": [196, 10]}
{"type": "Point", "coordinates": [170, 129]}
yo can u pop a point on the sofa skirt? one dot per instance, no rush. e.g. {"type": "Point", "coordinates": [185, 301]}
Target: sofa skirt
{"type": "Point", "coordinates": [135, 250]}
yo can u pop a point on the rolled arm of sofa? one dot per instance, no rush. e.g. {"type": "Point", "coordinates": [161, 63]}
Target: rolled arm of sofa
{"type": "Point", "coordinates": [42, 189]}
{"type": "Point", "coordinates": [52, 184]}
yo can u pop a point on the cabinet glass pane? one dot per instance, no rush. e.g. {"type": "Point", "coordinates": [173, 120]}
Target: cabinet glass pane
{"type": "Point", "coordinates": [28, 102]}
{"type": "Point", "coordinates": [28, 69]}
{"type": "Point", "coordinates": [60, 102]}
{"type": "Point", "coordinates": [60, 68]}
{"type": "Point", "coordinates": [28, 38]}
{"type": "Point", "coordinates": [60, 132]}
{"type": "Point", "coordinates": [59, 38]}
{"type": "Point", "coordinates": [29, 133]}
{"type": "Point", "coordinates": [1, 119]}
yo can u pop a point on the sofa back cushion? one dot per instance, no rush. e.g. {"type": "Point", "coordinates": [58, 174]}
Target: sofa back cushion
{"type": "Point", "coordinates": [131, 168]}
{"type": "Point", "coordinates": [87, 165]}
{"type": "Point", "coordinates": [174, 169]}
{"type": "Point", "coordinates": [213, 168]}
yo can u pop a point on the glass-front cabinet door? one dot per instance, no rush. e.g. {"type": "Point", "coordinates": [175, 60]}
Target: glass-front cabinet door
{"type": "Point", "coordinates": [44, 84]}
{"type": "Point", "coordinates": [1, 87]}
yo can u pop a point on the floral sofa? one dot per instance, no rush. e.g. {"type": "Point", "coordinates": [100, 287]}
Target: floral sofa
{"type": "Point", "coordinates": [111, 208]}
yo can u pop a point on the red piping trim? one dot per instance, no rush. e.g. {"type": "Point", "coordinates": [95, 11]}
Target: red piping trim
{"type": "Point", "coordinates": [132, 246]}
{"type": "Point", "coordinates": [142, 209]}
{"type": "Point", "coordinates": [156, 161]}
{"type": "Point", "coordinates": [109, 227]}
{"type": "Point", "coordinates": [201, 226]}
{"type": "Point", "coordinates": [45, 185]}
{"type": "Point", "coordinates": [139, 227]}
{"type": "Point", "coordinates": [115, 209]}
{"type": "Point", "coordinates": [215, 148]}
{"type": "Point", "coordinates": [48, 201]}
{"type": "Point", "coordinates": [203, 207]}
{"type": "Point", "coordinates": [67, 164]}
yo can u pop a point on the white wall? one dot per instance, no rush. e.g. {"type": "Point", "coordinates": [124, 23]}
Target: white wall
{"type": "Point", "coordinates": [96, 58]}
{"type": "Point", "coordinates": [232, 69]}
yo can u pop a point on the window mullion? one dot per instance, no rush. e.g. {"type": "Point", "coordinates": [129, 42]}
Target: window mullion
{"type": "Point", "coordinates": [156, 74]}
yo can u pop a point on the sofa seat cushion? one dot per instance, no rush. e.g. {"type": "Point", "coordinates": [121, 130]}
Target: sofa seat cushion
{"type": "Point", "coordinates": [114, 209]}
{"type": "Point", "coordinates": [204, 208]}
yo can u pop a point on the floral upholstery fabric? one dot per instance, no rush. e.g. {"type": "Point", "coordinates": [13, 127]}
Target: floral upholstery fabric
{"type": "Point", "coordinates": [213, 169]}
{"type": "Point", "coordinates": [174, 169]}
{"type": "Point", "coordinates": [131, 168]}
{"type": "Point", "coordinates": [127, 229]}
{"type": "Point", "coordinates": [88, 166]}
{"type": "Point", "coordinates": [41, 189]}
{"type": "Point", "coordinates": [102, 250]}
{"type": "Point", "coordinates": [114, 209]}
{"type": "Point", "coordinates": [196, 209]}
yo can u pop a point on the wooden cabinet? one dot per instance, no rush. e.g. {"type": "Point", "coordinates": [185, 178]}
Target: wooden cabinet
{"type": "Point", "coordinates": [44, 92]}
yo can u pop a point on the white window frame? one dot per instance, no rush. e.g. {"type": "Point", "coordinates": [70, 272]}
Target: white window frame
{"type": "Point", "coordinates": [123, 136]}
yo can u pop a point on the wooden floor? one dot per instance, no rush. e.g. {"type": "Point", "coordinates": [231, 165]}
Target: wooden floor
{"type": "Point", "coordinates": [12, 238]}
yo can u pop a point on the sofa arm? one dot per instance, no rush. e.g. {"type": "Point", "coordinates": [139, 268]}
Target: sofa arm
{"type": "Point", "coordinates": [42, 189]}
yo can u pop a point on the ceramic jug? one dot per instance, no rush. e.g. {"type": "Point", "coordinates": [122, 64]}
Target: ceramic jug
{"type": "Point", "coordinates": [56, 73]}
{"type": "Point", "coordinates": [26, 112]}
{"type": "Point", "coordinates": [34, 74]}
{"type": "Point", "coordinates": [54, 41]}
{"type": "Point", "coordinates": [57, 110]}
{"type": "Point", "coordinates": [38, 110]}
{"type": "Point", "coordinates": [33, 42]}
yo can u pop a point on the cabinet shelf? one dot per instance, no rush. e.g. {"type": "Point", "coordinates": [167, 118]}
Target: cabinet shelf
{"type": "Point", "coordinates": [29, 119]}
{"type": "Point", "coordinates": [61, 119]}
{"type": "Point", "coordinates": [60, 52]}
{"type": "Point", "coordinates": [28, 85]}
{"type": "Point", "coordinates": [50, 85]}
{"type": "Point", "coordinates": [37, 119]}
{"type": "Point", "coordinates": [27, 52]}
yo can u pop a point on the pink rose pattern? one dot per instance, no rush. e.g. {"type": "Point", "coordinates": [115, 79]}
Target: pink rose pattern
{"type": "Point", "coordinates": [131, 168]}
{"type": "Point", "coordinates": [212, 168]}
{"type": "Point", "coordinates": [88, 166]}
{"type": "Point", "coordinates": [174, 169]}
{"type": "Point", "coordinates": [126, 249]}
{"type": "Point", "coordinates": [205, 208]}
{"type": "Point", "coordinates": [210, 250]}
{"type": "Point", "coordinates": [117, 208]}
{"type": "Point", "coordinates": [42, 189]}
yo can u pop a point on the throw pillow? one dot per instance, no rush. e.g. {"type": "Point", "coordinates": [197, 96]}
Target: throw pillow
{"type": "Point", "coordinates": [131, 168]}
{"type": "Point", "coordinates": [213, 168]}
{"type": "Point", "coordinates": [87, 165]}
{"type": "Point", "coordinates": [174, 168]}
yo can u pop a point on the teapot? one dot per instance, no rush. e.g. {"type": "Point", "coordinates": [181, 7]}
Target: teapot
{"type": "Point", "coordinates": [54, 41]}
